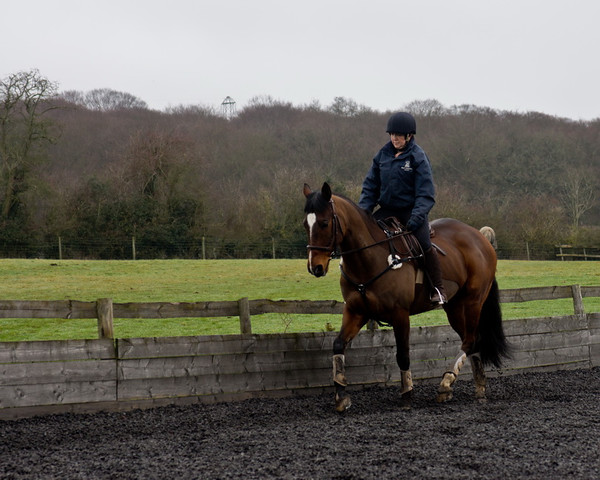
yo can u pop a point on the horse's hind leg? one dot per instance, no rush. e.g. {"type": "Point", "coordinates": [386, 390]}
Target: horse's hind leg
{"type": "Point", "coordinates": [478, 376]}
{"type": "Point", "coordinates": [445, 388]}
{"type": "Point", "coordinates": [463, 316]}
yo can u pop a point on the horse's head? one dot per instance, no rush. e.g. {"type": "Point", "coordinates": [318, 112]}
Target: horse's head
{"type": "Point", "coordinates": [322, 227]}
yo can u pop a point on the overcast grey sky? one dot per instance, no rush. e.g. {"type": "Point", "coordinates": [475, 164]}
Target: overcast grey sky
{"type": "Point", "coordinates": [519, 55]}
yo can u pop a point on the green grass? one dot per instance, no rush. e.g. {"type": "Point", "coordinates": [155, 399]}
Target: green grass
{"type": "Point", "coordinates": [222, 280]}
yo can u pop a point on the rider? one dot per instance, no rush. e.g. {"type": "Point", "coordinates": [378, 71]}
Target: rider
{"type": "Point", "coordinates": [401, 183]}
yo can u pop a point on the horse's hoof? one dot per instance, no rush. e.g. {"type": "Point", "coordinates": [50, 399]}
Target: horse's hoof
{"type": "Point", "coordinates": [342, 403]}
{"type": "Point", "coordinates": [406, 400]}
{"type": "Point", "coordinates": [480, 393]}
{"type": "Point", "coordinates": [443, 397]}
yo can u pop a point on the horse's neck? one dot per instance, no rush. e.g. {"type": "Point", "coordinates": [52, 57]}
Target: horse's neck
{"type": "Point", "coordinates": [358, 234]}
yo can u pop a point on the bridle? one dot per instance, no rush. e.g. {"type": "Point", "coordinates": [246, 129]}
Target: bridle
{"type": "Point", "coordinates": [395, 259]}
{"type": "Point", "coordinates": [333, 245]}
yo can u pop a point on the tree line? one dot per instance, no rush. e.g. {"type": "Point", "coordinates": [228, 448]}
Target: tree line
{"type": "Point", "coordinates": [99, 168]}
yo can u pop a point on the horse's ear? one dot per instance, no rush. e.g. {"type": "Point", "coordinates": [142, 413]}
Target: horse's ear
{"type": "Point", "coordinates": [307, 191]}
{"type": "Point", "coordinates": [326, 192]}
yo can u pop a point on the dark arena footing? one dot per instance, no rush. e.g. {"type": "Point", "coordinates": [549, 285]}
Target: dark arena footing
{"type": "Point", "coordinates": [534, 425]}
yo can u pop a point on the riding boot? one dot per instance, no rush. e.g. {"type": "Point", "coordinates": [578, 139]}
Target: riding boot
{"type": "Point", "coordinates": [432, 265]}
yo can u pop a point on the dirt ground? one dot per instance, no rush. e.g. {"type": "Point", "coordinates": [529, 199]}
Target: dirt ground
{"type": "Point", "coordinates": [535, 425]}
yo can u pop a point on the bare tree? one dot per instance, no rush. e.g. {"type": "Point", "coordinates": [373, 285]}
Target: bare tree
{"type": "Point", "coordinates": [104, 100]}
{"type": "Point", "coordinates": [75, 97]}
{"type": "Point", "coordinates": [346, 107]}
{"type": "Point", "coordinates": [578, 195]}
{"type": "Point", "coordinates": [23, 128]}
{"type": "Point", "coordinates": [537, 219]}
{"type": "Point", "coordinates": [426, 108]}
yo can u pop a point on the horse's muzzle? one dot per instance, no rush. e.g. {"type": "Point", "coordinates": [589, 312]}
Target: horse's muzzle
{"type": "Point", "coordinates": [317, 270]}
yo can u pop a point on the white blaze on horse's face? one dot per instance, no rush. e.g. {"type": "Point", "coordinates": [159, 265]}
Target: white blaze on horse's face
{"type": "Point", "coordinates": [318, 258]}
{"type": "Point", "coordinates": [311, 220]}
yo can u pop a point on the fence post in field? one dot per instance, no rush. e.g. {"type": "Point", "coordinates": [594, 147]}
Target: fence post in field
{"type": "Point", "coordinates": [245, 324]}
{"type": "Point", "coordinates": [104, 309]}
{"type": "Point", "coordinates": [577, 300]}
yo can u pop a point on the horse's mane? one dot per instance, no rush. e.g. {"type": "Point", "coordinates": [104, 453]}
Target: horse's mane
{"type": "Point", "coordinates": [316, 203]}
{"type": "Point", "coordinates": [368, 217]}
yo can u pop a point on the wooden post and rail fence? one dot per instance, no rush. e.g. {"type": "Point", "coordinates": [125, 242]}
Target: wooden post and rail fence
{"type": "Point", "coordinates": [107, 373]}
{"type": "Point", "coordinates": [569, 252]}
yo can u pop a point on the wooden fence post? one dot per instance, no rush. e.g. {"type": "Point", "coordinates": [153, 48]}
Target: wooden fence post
{"type": "Point", "coordinates": [104, 309]}
{"type": "Point", "coordinates": [577, 300]}
{"type": "Point", "coordinates": [245, 323]}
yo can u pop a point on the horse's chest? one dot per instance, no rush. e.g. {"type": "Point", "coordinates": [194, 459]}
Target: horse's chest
{"type": "Point", "coordinates": [389, 293]}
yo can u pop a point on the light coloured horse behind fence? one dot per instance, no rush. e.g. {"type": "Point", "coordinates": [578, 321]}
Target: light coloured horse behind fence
{"type": "Point", "coordinates": [488, 232]}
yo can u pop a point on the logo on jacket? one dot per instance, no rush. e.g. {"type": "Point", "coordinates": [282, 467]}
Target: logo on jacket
{"type": "Point", "coordinates": [407, 167]}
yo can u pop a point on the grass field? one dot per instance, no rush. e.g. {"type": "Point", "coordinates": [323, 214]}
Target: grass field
{"type": "Point", "coordinates": [218, 280]}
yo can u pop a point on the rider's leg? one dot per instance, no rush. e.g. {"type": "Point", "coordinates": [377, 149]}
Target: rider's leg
{"type": "Point", "coordinates": [432, 264]}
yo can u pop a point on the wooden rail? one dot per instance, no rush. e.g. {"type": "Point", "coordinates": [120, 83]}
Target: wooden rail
{"type": "Point", "coordinates": [104, 310]}
{"type": "Point", "coordinates": [43, 377]}
{"type": "Point", "coordinates": [585, 254]}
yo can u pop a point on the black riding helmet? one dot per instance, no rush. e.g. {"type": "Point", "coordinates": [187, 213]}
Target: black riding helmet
{"type": "Point", "coordinates": [402, 123]}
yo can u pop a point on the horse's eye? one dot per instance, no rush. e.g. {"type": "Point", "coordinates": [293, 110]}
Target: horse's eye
{"type": "Point", "coordinates": [324, 223]}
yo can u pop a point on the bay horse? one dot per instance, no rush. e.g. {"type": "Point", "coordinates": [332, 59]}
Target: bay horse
{"type": "Point", "coordinates": [375, 287]}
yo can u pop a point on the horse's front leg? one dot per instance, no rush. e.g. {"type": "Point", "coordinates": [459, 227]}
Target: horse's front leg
{"type": "Point", "coordinates": [401, 333]}
{"type": "Point", "coordinates": [351, 325]}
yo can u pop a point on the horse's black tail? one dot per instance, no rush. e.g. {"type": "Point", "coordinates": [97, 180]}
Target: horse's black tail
{"type": "Point", "coordinates": [491, 342]}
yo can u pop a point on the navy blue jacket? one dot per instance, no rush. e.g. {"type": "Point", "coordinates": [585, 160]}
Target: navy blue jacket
{"type": "Point", "coordinates": [403, 184]}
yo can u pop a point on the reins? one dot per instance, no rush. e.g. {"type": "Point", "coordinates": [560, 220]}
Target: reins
{"type": "Point", "coordinates": [394, 261]}
{"type": "Point", "coordinates": [390, 237]}
{"type": "Point", "coordinates": [333, 245]}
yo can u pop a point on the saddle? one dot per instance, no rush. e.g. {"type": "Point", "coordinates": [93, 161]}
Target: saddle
{"type": "Point", "coordinates": [402, 242]}
{"type": "Point", "coordinates": [403, 245]}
